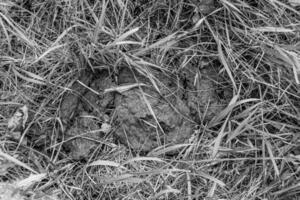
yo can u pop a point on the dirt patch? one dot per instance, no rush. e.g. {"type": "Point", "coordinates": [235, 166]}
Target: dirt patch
{"type": "Point", "coordinates": [144, 117]}
{"type": "Point", "coordinates": [203, 94]}
{"type": "Point", "coordinates": [149, 118]}
{"type": "Point", "coordinates": [84, 111]}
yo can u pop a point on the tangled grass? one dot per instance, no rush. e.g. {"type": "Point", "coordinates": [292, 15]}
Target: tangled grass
{"type": "Point", "coordinates": [248, 151]}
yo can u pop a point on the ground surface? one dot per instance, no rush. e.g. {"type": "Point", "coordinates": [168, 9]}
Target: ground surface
{"type": "Point", "coordinates": [125, 99]}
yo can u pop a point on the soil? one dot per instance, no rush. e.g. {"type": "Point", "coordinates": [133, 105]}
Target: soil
{"type": "Point", "coordinates": [143, 117]}
{"type": "Point", "coordinates": [84, 134]}
{"type": "Point", "coordinates": [148, 118]}
{"type": "Point", "coordinates": [83, 112]}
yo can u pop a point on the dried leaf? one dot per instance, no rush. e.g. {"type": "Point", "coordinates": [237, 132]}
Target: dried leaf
{"type": "Point", "coordinates": [29, 181]}
{"type": "Point", "coordinates": [273, 29]}
{"type": "Point", "coordinates": [17, 122]}
{"type": "Point", "coordinates": [123, 88]}
{"type": "Point", "coordinates": [105, 163]}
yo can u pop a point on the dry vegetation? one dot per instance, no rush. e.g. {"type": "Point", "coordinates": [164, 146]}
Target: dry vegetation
{"type": "Point", "coordinates": [250, 150]}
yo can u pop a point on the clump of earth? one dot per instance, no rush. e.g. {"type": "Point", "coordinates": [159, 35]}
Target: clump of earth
{"type": "Point", "coordinates": [142, 116]}
{"type": "Point", "coordinates": [149, 118]}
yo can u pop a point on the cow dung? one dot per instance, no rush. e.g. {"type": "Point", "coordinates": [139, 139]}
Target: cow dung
{"type": "Point", "coordinates": [157, 111]}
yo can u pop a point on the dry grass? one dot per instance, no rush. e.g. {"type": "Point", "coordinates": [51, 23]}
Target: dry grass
{"type": "Point", "coordinates": [249, 151]}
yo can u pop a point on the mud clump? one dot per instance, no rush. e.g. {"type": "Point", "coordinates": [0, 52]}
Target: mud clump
{"type": "Point", "coordinates": [201, 96]}
{"type": "Point", "coordinates": [148, 119]}
{"type": "Point", "coordinates": [144, 117]}
{"type": "Point", "coordinates": [71, 100]}
{"type": "Point", "coordinates": [83, 135]}
{"type": "Point", "coordinates": [83, 112]}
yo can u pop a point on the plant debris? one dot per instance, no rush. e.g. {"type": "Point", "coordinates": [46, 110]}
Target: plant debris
{"type": "Point", "coordinates": [176, 99]}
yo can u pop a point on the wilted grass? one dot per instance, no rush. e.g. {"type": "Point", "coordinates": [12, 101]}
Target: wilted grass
{"type": "Point", "coordinates": [248, 151]}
